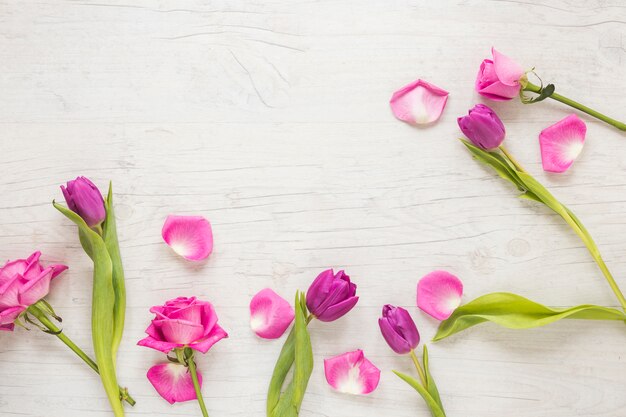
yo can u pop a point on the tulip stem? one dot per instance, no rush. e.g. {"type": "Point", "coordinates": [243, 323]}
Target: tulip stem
{"type": "Point", "coordinates": [513, 160]}
{"type": "Point", "coordinates": [537, 89]}
{"type": "Point", "coordinates": [55, 330]}
{"type": "Point", "coordinates": [420, 371]}
{"type": "Point", "coordinates": [194, 377]}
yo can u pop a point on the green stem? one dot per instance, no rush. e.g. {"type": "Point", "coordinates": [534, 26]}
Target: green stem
{"type": "Point", "coordinates": [48, 324]}
{"type": "Point", "coordinates": [513, 160]}
{"type": "Point", "coordinates": [537, 89]}
{"type": "Point", "coordinates": [194, 377]}
{"type": "Point", "coordinates": [420, 371]}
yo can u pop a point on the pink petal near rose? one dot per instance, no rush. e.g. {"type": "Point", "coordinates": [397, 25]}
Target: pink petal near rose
{"type": "Point", "coordinates": [439, 294]}
{"type": "Point", "coordinates": [351, 373]}
{"type": "Point", "coordinates": [561, 143]}
{"type": "Point", "coordinates": [418, 103]}
{"type": "Point", "coordinates": [189, 236]}
{"type": "Point", "coordinates": [173, 382]}
{"type": "Point", "coordinates": [270, 314]}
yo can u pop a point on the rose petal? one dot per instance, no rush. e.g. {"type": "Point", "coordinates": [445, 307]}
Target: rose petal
{"type": "Point", "coordinates": [179, 331]}
{"type": "Point", "coordinates": [173, 382]}
{"type": "Point", "coordinates": [270, 314]}
{"type": "Point", "coordinates": [156, 344]}
{"type": "Point", "coordinates": [8, 316]}
{"type": "Point", "coordinates": [9, 292]}
{"type": "Point", "coordinates": [508, 71]}
{"type": "Point", "coordinates": [189, 236]}
{"type": "Point", "coordinates": [35, 289]}
{"type": "Point", "coordinates": [561, 143]}
{"type": "Point", "coordinates": [439, 293]}
{"type": "Point", "coordinates": [351, 373]}
{"type": "Point", "coordinates": [418, 102]}
{"type": "Point", "coordinates": [215, 336]}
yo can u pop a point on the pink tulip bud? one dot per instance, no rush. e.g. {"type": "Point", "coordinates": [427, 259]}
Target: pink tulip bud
{"type": "Point", "coordinates": [483, 127]}
{"type": "Point", "coordinates": [398, 329]}
{"type": "Point", "coordinates": [84, 199]}
{"type": "Point", "coordinates": [331, 295]}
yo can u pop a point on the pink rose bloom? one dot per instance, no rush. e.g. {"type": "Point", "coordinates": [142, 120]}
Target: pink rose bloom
{"type": "Point", "coordinates": [499, 79]}
{"type": "Point", "coordinates": [183, 322]}
{"type": "Point", "coordinates": [23, 282]}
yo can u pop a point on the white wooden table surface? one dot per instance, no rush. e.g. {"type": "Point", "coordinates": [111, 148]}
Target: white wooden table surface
{"type": "Point", "coordinates": [271, 119]}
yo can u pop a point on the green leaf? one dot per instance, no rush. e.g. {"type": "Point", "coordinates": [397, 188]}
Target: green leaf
{"type": "Point", "coordinates": [495, 161]}
{"type": "Point", "coordinates": [281, 369]}
{"type": "Point", "coordinates": [544, 93]}
{"type": "Point", "coordinates": [291, 399]}
{"type": "Point", "coordinates": [109, 234]}
{"type": "Point", "coordinates": [516, 312]}
{"type": "Point", "coordinates": [432, 404]}
{"type": "Point", "coordinates": [431, 387]}
{"type": "Point", "coordinates": [103, 301]}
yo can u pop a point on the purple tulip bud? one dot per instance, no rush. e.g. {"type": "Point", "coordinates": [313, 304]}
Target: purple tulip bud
{"type": "Point", "coordinates": [398, 329]}
{"type": "Point", "coordinates": [331, 295]}
{"type": "Point", "coordinates": [84, 199]}
{"type": "Point", "coordinates": [483, 127]}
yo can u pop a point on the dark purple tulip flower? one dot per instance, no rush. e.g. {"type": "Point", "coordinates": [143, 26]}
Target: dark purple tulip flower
{"type": "Point", "coordinates": [398, 329]}
{"type": "Point", "coordinates": [331, 295]}
{"type": "Point", "coordinates": [483, 127]}
{"type": "Point", "coordinates": [84, 199]}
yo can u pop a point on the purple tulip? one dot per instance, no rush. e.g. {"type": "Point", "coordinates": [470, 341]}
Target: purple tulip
{"type": "Point", "coordinates": [84, 199]}
{"type": "Point", "coordinates": [483, 127]}
{"type": "Point", "coordinates": [398, 329]}
{"type": "Point", "coordinates": [331, 295]}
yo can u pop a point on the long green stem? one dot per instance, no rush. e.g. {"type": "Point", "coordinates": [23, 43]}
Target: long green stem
{"type": "Point", "coordinates": [194, 377]}
{"type": "Point", "coordinates": [537, 89]}
{"type": "Point", "coordinates": [571, 219]}
{"type": "Point", "coordinates": [49, 324]}
{"type": "Point", "coordinates": [420, 371]}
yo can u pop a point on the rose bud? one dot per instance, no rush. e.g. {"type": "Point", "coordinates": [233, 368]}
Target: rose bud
{"type": "Point", "coordinates": [398, 329]}
{"type": "Point", "coordinates": [84, 199]}
{"type": "Point", "coordinates": [331, 295]}
{"type": "Point", "coordinates": [23, 282]}
{"type": "Point", "coordinates": [183, 322]}
{"type": "Point", "coordinates": [483, 127]}
{"type": "Point", "coordinates": [499, 79]}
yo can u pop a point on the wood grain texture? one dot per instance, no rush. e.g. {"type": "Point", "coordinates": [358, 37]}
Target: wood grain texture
{"type": "Point", "coordinates": [271, 119]}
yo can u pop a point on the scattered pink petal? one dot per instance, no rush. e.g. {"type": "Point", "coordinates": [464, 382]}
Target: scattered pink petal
{"type": "Point", "coordinates": [189, 236]}
{"type": "Point", "coordinates": [418, 102]}
{"type": "Point", "coordinates": [439, 294]}
{"type": "Point", "coordinates": [351, 373]}
{"type": "Point", "coordinates": [270, 314]}
{"type": "Point", "coordinates": [173, 382]}
{"type": "Point", "coordinates": [561, 143]}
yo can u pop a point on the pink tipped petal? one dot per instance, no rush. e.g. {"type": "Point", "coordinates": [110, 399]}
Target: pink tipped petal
{"type": "Point", "coordinates": [57, 269]}
{"type": "Point", "coordinates": [9, 292]}
{"type": "Point", "coordinates": [204, 345]}
{"type": "Point", "coordinates": [418, 102]}
{"type": "Point", "coordinates": [155, 344]}
{"type": "Point", "coordinates": [561, 143]}
{"type": "Point", "coordinates": [189, 236]}
{"type": "Point", "coordinates": [500, 92]}
{"type": "Point", "coordinates": [439, 294]}
{"type": "Point", "coordinates": [270, 314]}
{"type": "Point", "coordinates": [36, 289]}
{"type": "Point", "coordinates": [173, 382]}
{"type": "Point", "coordinates": [508, 71]}
{"type": "Point", "coordinates": [180, 331]}
{"type": "Point", "coordinates": [8, 316]}
{"type": "Point", "coordinates": [351, 373]}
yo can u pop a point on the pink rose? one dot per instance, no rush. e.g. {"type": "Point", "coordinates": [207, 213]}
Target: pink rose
{"type": "Point", "coordinates": [183, 322]}
{"type": "Point", "coordinates": [499, 79]}
{"type": "Point", "coordinates": [23, 282]}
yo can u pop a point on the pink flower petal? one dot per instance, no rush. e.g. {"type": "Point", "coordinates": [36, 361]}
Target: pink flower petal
{"type": "Point", "coordinates": [561, 143]}
{"type": "Point", "coordinates": [418, 102]}
{"type": "Point", "coordinates": [173, 382]}
{"type": "Point", "coordinates": [179, 331]}
{"type": "Point", "coordinates": [8, 316]}
{"type": "Point", "coordinates": [508, 71]}
{"type": "Point", "coordinates": [270, 314]}
{"type": "Point", "coordinates": [159, 345]}
{"type": "Point", "coordinates": [439, 293]}
{"type": "Point", "coordinates": [351, 373]}
{"type": "Point", "coordinates": [189, 236]}
{"type": "Point", "coordinates": [37, 288]}
{"type": "Point", "coordinates": [217, 334]}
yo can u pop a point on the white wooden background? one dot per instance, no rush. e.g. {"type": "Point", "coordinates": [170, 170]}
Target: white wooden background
{"type": "Point", "coordinates": [271, 119]}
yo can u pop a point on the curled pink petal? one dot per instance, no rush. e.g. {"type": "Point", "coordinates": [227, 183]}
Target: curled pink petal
{"type": "Point", "coordinates": [508, 71]}
{"type": "Point", "coordinates": [561, 143]}
{"type": "Point", "coordinates": [159, 345]}
{"type": "Point", "coordinates": [8, 316]}
{"type": "Point", "coordinates": [217, 334]}
{"type": "Point", "coordinates": [180, 332]}
{"type": "Point", "coordinates": [270, 314]}
{"type": "Point", "coordinates": [439, 294]}
{"type": "Point", "coordinates": [189, 236]}
{"type": "Point", "coordinates": [37, 288]}
{"type": "Point", "coordinates": [351, 373]}
{"type": "Point", "coordinates": [418, 102]}
{"type": "Point", "coordinates": [173, 382]}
